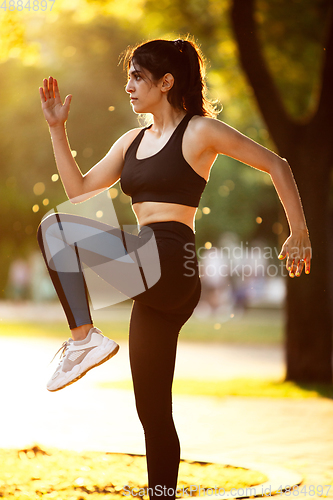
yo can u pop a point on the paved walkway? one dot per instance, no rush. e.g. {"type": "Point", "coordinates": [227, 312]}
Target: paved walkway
{"type": "Point", "coordinates": [294, 434]}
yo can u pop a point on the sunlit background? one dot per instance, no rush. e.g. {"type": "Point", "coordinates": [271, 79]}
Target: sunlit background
{"type": "Point", "coordinates": [238, 328]}
{"type": "Point", "coordinates": [79, 43]}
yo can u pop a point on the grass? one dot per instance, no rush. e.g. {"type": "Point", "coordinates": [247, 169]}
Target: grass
{"type": "Point", "coordinates": [67, 475]}
{"type": "Point", "coordinates": [254, 327]}
{"type": "Point", "coordinates": [238, 387]}
{"type": "Point", "coordinates": [55, 329]}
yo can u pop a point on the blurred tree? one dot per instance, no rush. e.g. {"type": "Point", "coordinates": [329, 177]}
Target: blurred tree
{"type": "Point", "coordinates": [301, 126]}
{"type": "Point", "coordinates": [81, 46]}
{"type": "Point", "coordinates": [84, 58]}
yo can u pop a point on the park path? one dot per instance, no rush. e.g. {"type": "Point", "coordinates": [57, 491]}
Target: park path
{"type": "Point", "coordinates": [290, 433]}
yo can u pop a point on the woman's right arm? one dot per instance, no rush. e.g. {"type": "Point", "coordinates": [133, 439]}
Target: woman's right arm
{"type": "Point", "coordinates": [104, 174]}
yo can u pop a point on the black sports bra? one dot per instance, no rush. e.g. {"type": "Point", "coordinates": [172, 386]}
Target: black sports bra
{"type": "Point", "coordinates": [163, 177]}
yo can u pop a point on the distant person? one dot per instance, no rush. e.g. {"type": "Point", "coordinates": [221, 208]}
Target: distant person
{"type": "Point", "coordinates": [164, 168]}
{"type": "Point", "coordinates": [18, 282]}
{"type": "Point", "coordinates": [216, 283]}
{"type": "Point", "coordinates": [41, 287]}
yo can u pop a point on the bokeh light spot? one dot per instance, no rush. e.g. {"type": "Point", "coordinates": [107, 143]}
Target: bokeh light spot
{"type": "Point", "coordinates": [79, 481]}
{"type": "Point", "coordinates": [230, 184]}
{"type": "Point", "coordinates": [55, 177]}
{"type": "Point", "coordinates": [35, 208]}
{"type": "Point", "coordinates": [69, 51]}
{"type": "Point", "coordinates": [39, 188]}
{"type": "Point", "coordinates": [277, 228]}
{"type": "Point", "coordinates": [113, 193]}
{"type": "Point", "coordinates": [224, 190]}
{"type": "Point", "coordinates": [263, 133]}
{"type": "Point", "coordinates": [87, 152]}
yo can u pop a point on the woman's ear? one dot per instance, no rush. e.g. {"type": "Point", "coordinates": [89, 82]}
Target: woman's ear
{"type": "Point", "coordinates": [167, 82]}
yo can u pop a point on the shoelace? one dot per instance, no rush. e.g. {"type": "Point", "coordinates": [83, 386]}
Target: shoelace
{"type": "Point", "coordinates": [64, 348]}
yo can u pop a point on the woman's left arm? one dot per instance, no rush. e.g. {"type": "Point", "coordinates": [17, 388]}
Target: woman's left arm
{"type": "Point", "coordinates": [223, 139]}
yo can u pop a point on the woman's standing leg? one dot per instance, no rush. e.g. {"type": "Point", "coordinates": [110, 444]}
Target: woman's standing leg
{"type": "Point", "coordinates": [153, 341]}
{"type": "Point", "coordinates": [152, 345]}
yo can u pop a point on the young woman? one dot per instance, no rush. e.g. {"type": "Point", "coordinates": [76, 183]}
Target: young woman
{"type": "Point", "coordinates": [164, 168]}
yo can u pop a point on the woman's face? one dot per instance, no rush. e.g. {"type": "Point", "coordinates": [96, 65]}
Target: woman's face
{"type": "Point", "coordinates": [145, 93]}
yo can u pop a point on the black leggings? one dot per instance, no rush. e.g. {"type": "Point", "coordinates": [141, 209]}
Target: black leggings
{"type": "Point", "coordinates": [159, 270]}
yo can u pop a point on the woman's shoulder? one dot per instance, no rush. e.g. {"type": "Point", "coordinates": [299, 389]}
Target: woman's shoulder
{"type": "Point", "coordinates": [130, 135]}
{"type": "Point", "coordinates": [127, 138]}
{"type": "Point", "coordinates": [204, 120]}
{"type": "Point", "coordinates": [124, 141]}
{"type": "Point", "coordinates": [205, 127]}
{"type": "Point", "coordinates": [202, 124]}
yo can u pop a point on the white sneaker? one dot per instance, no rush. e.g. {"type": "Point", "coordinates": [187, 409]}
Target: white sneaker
{"type": "Point", "coordinates": [78, 357]}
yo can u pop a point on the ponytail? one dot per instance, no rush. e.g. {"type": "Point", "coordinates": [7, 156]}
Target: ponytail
{"type": "Point", "coordinates": [184, 60]}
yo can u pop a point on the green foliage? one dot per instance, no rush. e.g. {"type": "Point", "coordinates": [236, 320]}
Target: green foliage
{"type": "Point", "coordinates": [84, 58]}
{"type": "Point", "coordinates": [292, 35]}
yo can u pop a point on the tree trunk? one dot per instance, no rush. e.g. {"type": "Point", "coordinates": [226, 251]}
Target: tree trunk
{"type": "Point", "coordinates": [308, 338]}
{"type": "Point", "coordinates": [309, 150]}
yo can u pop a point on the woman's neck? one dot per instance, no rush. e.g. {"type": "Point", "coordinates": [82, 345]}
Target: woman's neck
{"type": "Point", "coordinates": [166, 121]}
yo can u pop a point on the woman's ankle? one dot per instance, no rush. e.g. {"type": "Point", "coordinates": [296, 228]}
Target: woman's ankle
{"type": "Point", "coordinates": [81, 332]}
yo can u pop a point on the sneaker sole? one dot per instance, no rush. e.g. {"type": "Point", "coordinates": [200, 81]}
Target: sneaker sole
{"type": "Point", "coordinates": [109, 356]}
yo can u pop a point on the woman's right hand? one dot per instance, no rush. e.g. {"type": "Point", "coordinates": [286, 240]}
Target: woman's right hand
{"type": "Point", "coordinates": [54, 111]}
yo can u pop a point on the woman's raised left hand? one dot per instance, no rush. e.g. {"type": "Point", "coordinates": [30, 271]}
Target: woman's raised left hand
{"type": "Point", "coordinates": [297, 249]}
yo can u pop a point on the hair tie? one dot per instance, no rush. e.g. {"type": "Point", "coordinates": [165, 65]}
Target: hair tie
{"type": "Point", "coordinates": [179, 44]}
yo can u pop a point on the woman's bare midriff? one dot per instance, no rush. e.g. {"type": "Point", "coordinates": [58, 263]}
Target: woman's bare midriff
{"type": "Point", "coordinates": [151, 211]}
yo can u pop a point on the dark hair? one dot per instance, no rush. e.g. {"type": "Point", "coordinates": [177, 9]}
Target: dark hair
{"type": "Point", "coordinates": [184, 60]}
